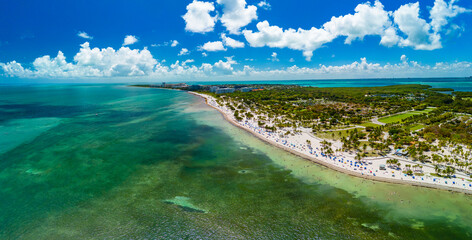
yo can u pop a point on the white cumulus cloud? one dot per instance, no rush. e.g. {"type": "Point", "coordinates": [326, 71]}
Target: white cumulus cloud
{"type": "Point", "coordinates": [198, 18]}
{"type": "Point", "coordinates": [183, 52]}
{"type": "Point", "coordinates": [417, 30]}
{"type": "Point", "coordinates": [359, 69]}
{"type": "Point", "coordinates": [403, 27]}
{"type": "Point", "coordinates": [84, 35]}
{"type": "Point", "coordinates": [129, 40]}
{"type": "Point", "coordinates": [236, 14]}
{"type": "Point", "coordinates": [224, 67]}
{"type": "Point", "coordinates": [368, 20]}
{"type": "Point", "coordinates": [442, 11]}
{"type": "Point", "coordinates": [88, 62]}
{"type": "Point", "coordinates": [125, 62]}
{"type": "Point", "coordinates": [300, 39]}
{"type": "Point", "coordinates": [213, 46]}
{"type": "Point", "coordinates": [404, 58]}
{"type": "Point", "coordinates": [174, 43]}
{"type": "Point", "coordinates": [264, 4]}
{"type": "Point", "coordinates": [227, 41]}
{"type": "Point", "coordinates": [273, 57]}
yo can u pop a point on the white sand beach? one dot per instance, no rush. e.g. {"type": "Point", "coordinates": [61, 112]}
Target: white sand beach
{"type": "Point", "coordinates": [368, 168]}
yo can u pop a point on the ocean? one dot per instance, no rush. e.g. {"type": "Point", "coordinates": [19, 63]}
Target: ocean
{"type": "Point", "coordinates": [117, 162]}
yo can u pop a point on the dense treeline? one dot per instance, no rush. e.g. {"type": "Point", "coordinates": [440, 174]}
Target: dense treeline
{"type": "Point", "coordinates": [333, 106]}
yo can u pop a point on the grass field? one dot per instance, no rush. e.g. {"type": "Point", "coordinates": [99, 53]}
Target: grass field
{"type": "Point", "coordinates": [369, 124]}
{"type": "Point", "coordinates": [399, 117]}
{"type": "Point", "coordinates": [416, 127]}
{"type": "Point", "coordinates": [334, 135]}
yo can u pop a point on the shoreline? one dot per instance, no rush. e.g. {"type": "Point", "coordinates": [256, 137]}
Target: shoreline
{"type": "Point", "coordinates": [328, 165]}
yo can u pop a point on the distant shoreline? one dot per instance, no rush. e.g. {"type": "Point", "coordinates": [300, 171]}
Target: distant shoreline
{"type": "Point", "coordinates": [331, 166]}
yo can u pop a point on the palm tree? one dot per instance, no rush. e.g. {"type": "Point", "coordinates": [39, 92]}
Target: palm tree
{"type": "Point", "coordinates": [437, 169]}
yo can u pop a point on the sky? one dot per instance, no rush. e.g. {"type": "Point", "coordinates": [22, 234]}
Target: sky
{"type": "Point", "coordinates": [185, 40]}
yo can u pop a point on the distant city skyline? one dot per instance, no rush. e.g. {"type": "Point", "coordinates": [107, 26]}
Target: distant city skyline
{"type": "Point", "coordinates": [114, 41]}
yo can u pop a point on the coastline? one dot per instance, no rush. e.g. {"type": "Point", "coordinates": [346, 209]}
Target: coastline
{"type": "Point", "coordinates": [328, 165]}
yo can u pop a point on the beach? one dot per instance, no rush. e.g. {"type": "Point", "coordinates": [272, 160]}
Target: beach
{"type": "Point", "coordinates": [368, 168]}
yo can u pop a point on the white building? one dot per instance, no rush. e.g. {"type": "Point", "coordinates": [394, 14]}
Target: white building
{"type": "Point", "coordinates": [224, 90]}
{"type": "Point", "coordinates": [213, 89]}
{"type": "Point", "coordinates": [245, 89]}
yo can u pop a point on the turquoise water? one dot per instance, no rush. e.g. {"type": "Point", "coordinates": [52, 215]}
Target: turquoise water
{"type": "Point", "coordinates": [458, 84]}
{"type": "Point", "coordinates": [115, 162]}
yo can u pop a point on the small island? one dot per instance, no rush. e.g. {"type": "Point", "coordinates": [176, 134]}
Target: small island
{"type": "Point", "coordinates": [409, 134]}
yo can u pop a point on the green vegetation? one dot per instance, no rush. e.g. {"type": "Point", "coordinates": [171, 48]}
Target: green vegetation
{"type": "Point", "coordinates": [416, 127]}
{"type": "Point", "coordinates": [333, 135]}
{"type": "Point", "coordinates": [442, 89]}
{"type": "Point", "coordinates": [427, 125]}
{"type": "Point", "coordinates": [369, 124]}
{"type": "Point", "coordinates": [402, 116]}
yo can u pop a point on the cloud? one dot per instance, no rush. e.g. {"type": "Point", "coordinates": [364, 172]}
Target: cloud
{"type": "Point", "coordinates": [418, 31]}
{"type": "Point", "coordinates": [368, 20]}
{"type": "Point", "coordinates": [14, 69]}
{"type": "Point", "coordinates": [88, 62]}
{"type": "Point", "coordinates": [126, 62]}
{"type": "Point", "coordinates": [174, 43]}
{"type": "Point", "coordinates": [224, 67]}
{"type": "Point", "coordinates": [213, 46]}
{"type": "Point", "coordinates": [273, 57]}
{"type": "Point", "coordinates": [359, 69]}
{"type": "Point", "coordinates": [275, 37]}
{"type": "Point", "coordinates": [84, 35]}
{"type": "Point", "coordinates": [198, 18]}
{"type": "Point", "coordinates": [353, 26]}
{"type": "Point", "coordinates": [178, 70]}
{"type": "Point", "coordinates": [111, 62]}
{"type": "Point", "coordinates": [442, 11]}
{"type": "Point", "coordinates": [403, 58]}
{"type": "Point", "coordinates": [183, 52]}
{"type": "Point", "coordinates": [390, 37]}
{"type": "Point", "coordinates": [187, 61]}
{"type": "Point", "coordinates": [129, 40]}
{"type": "Point", "coordinates": [236, 14]}
{"type": "Point", "coordinates": [227, 41]}
{"type": "Point", "coordinates": [403, 28]}
{"type": "Point", "coordinates": [264, 4]}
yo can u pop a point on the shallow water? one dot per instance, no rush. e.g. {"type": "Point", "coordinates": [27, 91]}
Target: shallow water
{"type": "Point", "coordinates": [121, 162]}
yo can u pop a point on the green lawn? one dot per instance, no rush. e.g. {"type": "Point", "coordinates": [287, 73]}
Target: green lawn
{"type": "Point", "coordinates": [369, 124]}
{"type": "Point", "coordinates": [416, 127]}
{"type": "Point", "coordinates": [399, 117]}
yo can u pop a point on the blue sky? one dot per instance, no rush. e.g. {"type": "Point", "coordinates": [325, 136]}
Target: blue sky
{"type": "Point", "coordinates": [234, 39]}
